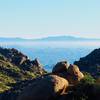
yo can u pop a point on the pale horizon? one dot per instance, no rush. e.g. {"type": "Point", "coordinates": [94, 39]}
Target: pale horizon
{"type": "Point", "coordinates": [42, 18]}
{"type": "Point", "coordinates": [39, 36]}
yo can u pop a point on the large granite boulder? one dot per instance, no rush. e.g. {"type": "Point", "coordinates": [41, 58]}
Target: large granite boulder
{"type": "Point", "coordinates": [60, 67]}
{"type": "Point", "coordinates": [69, 72]}
{"type": "Point", "coordinates": [45, 88]}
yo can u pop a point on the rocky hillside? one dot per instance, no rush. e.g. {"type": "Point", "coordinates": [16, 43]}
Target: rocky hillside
{"type": "Point", "coordinates": [16, 67]}
{"type": "Point", "coordinates": [90, 63]}
{"type": "Point", "coordinates": [19, 78]}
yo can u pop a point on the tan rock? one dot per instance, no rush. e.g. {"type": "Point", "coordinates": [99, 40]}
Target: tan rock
{"type": "Point", "coordinates": [74, 74]}
{"type": "Point", "coordinates": [60, 67]}
{"type": "Point", "coordinates": [45, 88]}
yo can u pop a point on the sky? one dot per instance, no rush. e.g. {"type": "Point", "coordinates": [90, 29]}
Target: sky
{"type": "Point", "coordinates": [42, 18]}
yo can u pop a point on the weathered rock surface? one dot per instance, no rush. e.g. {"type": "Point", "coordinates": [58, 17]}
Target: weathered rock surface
{"type": "Point", "coordinates": [74, 74]}
{"type": "Point", "coordinates": [15, 67]}
{"type": "Point", "coordinates": [90, 63]}
{"type": "Point", "coordinates": [69, 72]}
{"type": "Point", "coordinates": [22, 61]}
{"type": "Point", "coordinates": [45, 88]}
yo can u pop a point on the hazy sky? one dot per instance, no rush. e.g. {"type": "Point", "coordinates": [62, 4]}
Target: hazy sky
{"type": "Point", "coordinates": [40, 18]}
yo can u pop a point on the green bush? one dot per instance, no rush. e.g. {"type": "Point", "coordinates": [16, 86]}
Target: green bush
{"type": "Point", "coordinates": [88, 79]}
{"type": "Point", "coordinates": [3, 87]}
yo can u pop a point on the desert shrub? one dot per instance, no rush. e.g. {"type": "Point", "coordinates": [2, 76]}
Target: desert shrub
{"type": "Point", "coordinates": [84, 89]}
{"type": "Point", "coordinates": [3, 87]}
{"type": "Point", "coordinates": [88, 79]}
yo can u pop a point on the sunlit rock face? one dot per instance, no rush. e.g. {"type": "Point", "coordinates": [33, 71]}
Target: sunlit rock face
{"type": "Point", "coordinates": [70, 72]}
{"type": "Point", "coordinates": [74, 74]}
{"type": "Point", "coordinates": [45, 88]}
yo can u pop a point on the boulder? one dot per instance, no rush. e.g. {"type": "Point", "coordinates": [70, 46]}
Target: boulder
{"type": "Point", "coordinates": [69, 72]}
{"type": "Point", "coordinates": [45, 88]}
{"type": "Point", "coordinates": [60, 67]}
{"type": "Point", "coordinates": [74, 74]}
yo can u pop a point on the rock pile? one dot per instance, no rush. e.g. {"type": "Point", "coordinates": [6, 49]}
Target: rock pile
{"type": "Point", "coordinates": [51, 86]}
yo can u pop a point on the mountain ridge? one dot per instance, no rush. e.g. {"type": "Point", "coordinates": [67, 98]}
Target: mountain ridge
{"type": "Point", "coordinates": [50, 38]}
{"type": "Point", "coordinates": [90, 63]}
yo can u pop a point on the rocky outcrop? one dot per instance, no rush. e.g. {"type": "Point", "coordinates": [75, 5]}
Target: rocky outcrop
{"type": "Point", "coordinates": [69, 72]}
{"type": "Point", "coordinates": [22, 61]}
{"type": "Point", "coordinates": [90, 63]}
{"type": "Point", "coordinates": [13, 71]}
{"type": "Point", "coordinates": [17, 77]}
{"type": "Point", "coordinates": [53, 85]}
{"type": "Point", "coordinates": [13, 55]}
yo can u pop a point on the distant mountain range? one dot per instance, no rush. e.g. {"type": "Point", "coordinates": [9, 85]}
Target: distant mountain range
{"type": "Point", "coordinates": [53, 38]}
{"type": "Point", "coordinates": [11, 39]}
{"type": "Point", "coordinates": [67, 38]}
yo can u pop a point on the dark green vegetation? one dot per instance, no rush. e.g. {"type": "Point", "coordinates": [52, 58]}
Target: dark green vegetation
{"type": "Point", "coordinates": [87, 89]}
